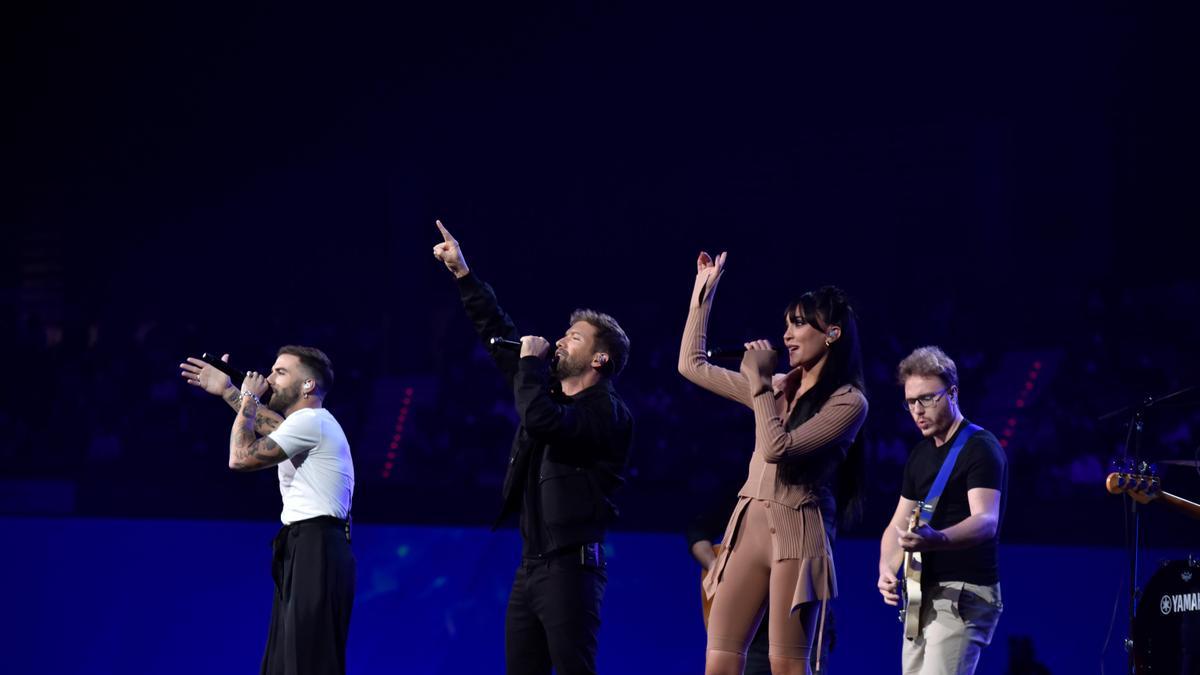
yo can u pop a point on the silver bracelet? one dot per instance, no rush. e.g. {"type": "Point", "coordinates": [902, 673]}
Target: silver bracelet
{"type": "Point", "coordinates": [247, 392]}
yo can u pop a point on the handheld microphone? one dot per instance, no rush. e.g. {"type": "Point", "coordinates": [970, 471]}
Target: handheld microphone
{"type": "Point", "coordinates": [506, 344]}
{"type": "Point", "coordinates": [515, 346]}
{"type": "Point", "coordinates": [215, 361]}
{"type": "Point", "coordinates": [727, 352]}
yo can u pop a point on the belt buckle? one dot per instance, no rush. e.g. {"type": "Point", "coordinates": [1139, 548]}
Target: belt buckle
{"type": "Point", "coordinates": [589, 553]}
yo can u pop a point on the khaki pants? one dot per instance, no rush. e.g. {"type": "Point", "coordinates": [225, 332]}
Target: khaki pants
{"type": "Point", "coordinates": [957, 622]}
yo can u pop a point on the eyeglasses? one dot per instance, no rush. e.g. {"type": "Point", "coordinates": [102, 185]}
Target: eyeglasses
{"type": "Point", "coordinates": [922, 402]}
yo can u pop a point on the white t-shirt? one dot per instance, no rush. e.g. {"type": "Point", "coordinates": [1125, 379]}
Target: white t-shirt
{"type": "Point", "coordinates": [317, 479]}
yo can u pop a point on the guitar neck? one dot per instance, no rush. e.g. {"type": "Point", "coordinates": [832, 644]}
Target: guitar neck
{"type": "Point", "coordinates": [1189, 507]}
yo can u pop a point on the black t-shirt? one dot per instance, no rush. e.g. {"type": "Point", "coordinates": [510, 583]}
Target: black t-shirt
{"type": "Point", "coordinates": [981, 464]}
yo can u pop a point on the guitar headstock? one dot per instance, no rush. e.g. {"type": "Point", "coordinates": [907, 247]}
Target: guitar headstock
{"type": "Point", "coordinates": [1137, 479]}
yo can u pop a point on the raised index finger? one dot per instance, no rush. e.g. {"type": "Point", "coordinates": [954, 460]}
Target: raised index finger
{"type": "Point", "coordinates": [449, 238]}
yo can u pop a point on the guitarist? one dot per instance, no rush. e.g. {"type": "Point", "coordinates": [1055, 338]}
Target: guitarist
{"type": "Point", "coordinates": [960, 583]}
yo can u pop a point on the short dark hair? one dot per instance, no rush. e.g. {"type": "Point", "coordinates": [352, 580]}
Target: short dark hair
{"type": "Point", "coordinates": [315, 360]}
{"type": "Point", "coordinates": [610, 339]}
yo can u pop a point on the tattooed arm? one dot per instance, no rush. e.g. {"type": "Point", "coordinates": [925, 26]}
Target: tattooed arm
{"type": "Point", "coordinates": [200, 374]}
{"type": "Point", "coordinates": [246, 452]}
{"type": "Point", "coordinates": [265, 419]}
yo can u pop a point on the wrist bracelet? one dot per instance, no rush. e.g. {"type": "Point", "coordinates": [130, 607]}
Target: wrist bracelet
{"type": "Point", "coordinates": [247, 392]}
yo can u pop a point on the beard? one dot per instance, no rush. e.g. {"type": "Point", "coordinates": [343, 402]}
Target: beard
{"type": "Point", "coordinates": [569, 367]}
{"type": "Point", "coordinates": [282, 399]}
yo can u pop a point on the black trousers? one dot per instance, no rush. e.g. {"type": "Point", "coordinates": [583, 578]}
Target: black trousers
{"type": "Point", "coordinates": [314, 572]}
{"type": "Point", "coordinates": [554, 616]}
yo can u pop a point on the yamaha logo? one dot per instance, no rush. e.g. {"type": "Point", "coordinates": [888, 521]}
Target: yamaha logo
{"type": "Point", "coordinates": [1183, 602]}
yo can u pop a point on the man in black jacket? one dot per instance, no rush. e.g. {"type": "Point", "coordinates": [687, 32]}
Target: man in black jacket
{"type": "Point", "coordinates": [567, 460]}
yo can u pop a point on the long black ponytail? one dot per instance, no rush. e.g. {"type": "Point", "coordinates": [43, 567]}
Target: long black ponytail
{"type": "Point", "coordinates": [822, 308]}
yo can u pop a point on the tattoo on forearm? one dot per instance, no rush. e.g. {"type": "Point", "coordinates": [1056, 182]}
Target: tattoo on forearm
{"type": "Point", "coordinates": [243, 435]}
{"type": "Point", "coordinates": [266, 450]}
{"type": "Point", "coordinates": [265, 424]}
{"type": "Point", "coordinates": [246, 446]}
{"type": "Point", "coordinates": [263, 450]}
{"type": "Point", "coordinates": [265, 421]}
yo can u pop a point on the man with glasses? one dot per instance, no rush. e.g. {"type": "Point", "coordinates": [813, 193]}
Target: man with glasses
{"type": "Point", "coordinates": [958, 540]}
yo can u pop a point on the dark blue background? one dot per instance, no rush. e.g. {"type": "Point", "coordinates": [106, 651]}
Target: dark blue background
{"type": "Point", "coordinates": [1015, 184]}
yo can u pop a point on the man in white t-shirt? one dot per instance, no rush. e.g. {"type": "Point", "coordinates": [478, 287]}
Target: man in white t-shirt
{"type": "Point", "coordinates": [313, 567]}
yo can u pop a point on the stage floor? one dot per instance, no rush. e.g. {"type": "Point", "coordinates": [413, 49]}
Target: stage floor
{"type": "Point", "coordinates": [182, 597]}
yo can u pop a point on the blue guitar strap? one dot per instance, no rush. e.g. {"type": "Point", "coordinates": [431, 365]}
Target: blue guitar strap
{"type": "Point", "coordinates": [939, 483]}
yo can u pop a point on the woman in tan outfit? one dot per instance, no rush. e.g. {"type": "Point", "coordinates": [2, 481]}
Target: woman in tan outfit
{"type": "Point", "coordinates": [805, 466]}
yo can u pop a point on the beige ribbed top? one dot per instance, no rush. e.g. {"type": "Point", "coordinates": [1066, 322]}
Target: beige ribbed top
{"type": "Point", "coordinates": [786, 465]}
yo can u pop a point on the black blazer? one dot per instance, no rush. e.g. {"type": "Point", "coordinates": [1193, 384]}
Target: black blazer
{"type": "Point", "coordinates": [570, 453]}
